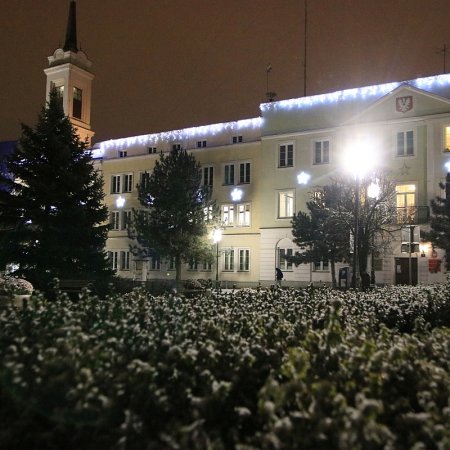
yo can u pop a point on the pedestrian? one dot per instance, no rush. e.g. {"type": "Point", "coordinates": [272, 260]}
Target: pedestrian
{"type": "Point", "coordinates": [278, 276]}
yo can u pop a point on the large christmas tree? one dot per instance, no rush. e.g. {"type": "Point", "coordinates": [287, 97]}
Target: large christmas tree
{"type": "Point", "coordinates": [52, 215]}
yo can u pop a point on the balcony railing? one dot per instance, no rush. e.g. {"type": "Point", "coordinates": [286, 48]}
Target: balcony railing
{"type": "Point", "coordinates": [413, 215]}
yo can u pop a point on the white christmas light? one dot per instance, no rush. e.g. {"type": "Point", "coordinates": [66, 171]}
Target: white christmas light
{"type": "Point", "coordinates": [303, 178]}
{"type": "Point", "coordinates": [236, 195]}
{"type": "Point", "coordinates": [120, 201]}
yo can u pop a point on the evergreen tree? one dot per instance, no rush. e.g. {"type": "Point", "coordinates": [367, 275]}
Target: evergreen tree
{"type": "Point", "coordinates": [52, 216]}
{"type": "Point", "coordinates": [439, 235]}
{"type": "Point", "coordinates": [172, 223]}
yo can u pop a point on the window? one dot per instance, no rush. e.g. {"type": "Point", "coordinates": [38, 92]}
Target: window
{"type": "Point", "coordinates": [286, 155]}
{"type": "Point", "coordinates": [228, 260]}
{"type": "Point", "coordinates": [228, 215]}
{"type": "Point", "coordinates": [151, 150]}
{"type": "Point", "coordinates": [285, 204]}
{"type": "Point", "coordinates": [228, 174]}
{"type": "Point", "coordinates": [321, 152]}
{"type": "Point", "coordinates": [115, 184]}
{"type": "Point", "coordinates": [155, 263]}
{"type": "Point", "coordinates": [206, 265]}
{"type": "Point", "coordinates": [406, 202]}
{"type": "Point", "coordinates": [201, 144]}
{"type": "Point", "coordinates": [114, 220]}
{"type": "Point", "coordinates": [176, 146]}
{"type": "Point", "coordinates": [283, 264]}
{"type": "Point", "coordinates": [128, 182]}
{"type": "Point", "coordinates": [447, 139]}
{"type": "Point", "coordinates": [123, 153]}
{"type": "Point", "coordinates": [208, 175]}
{"type": "Point", "coordinates": [237, 139]}
{"type": "Point", "coordinates": [244, 259]}
{"type": "Point", "coordinates": [126, 219]}
{"type": "Point", "coordinates": [113, 260]}
{"type": "Point", "coordinates": [171, 264]}
{"type": "Point", "coordinates": [59, 92]}
{"type": "Point", "coordinates": [193, 264]}
{"type": "Point", "coordinates": [125, 260]}
{"type": "Point", "coordinates": [243, 214]}
{"type": "Point", "coordinates": [405, 143]}
{"type": "Point", "coordinates": [321, 266]}
{"type": "Point", "coordinates": [145, 176]}
{"type": "Point", "coordinates": [77, 102]}
{"type": "Point", "coordinates": [244, 173]}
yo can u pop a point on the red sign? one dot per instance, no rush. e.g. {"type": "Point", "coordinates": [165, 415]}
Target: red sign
{"type": "Point", "coordinates": [434, 265]}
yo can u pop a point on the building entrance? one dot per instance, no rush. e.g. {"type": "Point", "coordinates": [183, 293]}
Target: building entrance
{"type": "Point", "coordinates": [402, 271]}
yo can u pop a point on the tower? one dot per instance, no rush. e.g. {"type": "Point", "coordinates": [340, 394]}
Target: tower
{"type": "Point", "coordinates": [69, 73]}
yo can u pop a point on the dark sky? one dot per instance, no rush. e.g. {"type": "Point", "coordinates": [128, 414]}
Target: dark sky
{"type": "Point", "coordinates": [169, 64]}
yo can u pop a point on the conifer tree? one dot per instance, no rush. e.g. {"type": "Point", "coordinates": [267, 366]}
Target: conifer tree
{"type": "Point", "coordinates": [439, 235]}
{"type": "Point", "coordinates": [172, 222]}
{"type": "Point", "coordinates": [52, 215]}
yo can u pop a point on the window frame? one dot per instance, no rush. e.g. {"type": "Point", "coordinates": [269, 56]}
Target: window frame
{"type": "Point", "coordinates": [321, 161]}
{"type": "Point", "coordinates": [283, 264]}
{"type": "Point", "coordinates": [404, 153]}
{"type": "Point", "coordinates": [244, 262]}
{"type": "Point", "coordinates": [228, 263]}
{"type": "Point", "coordinates": [208, 175]}
{"type": "Point", "coordinates": [285, 215]}
{"type": "Point", "coordinates": [287, 160]}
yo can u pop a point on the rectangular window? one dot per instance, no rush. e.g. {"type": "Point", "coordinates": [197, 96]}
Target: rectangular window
{"type": "Point", "coordinates": [176, 146]}
{"type": "Point", "coordinates": [284, 264]}
{"type": "Point", "coordinates": [125, 260]}
{"type": "Point", "coordinates": [243, 214]}
{"type": "Point", "coordinates": [228, 215]}
{"type": "Point", "coordinates": [208, 176]}
{"type": "Point", "coordinates": [113, 260]}
{"type": "Point", "coordinates": [145, 176]}
{"type": "Point", "coordinates": [59, 92]}
{"type": "Point", "coordinates": [77, 102]}
{"type": "Point", "coordinates": [285, 204]}
{"type": "Point", "coordinates": [322, 152]}
{"type": "Point", "coordinates": [128, 182]}
{"type": "Point", "coordinates": [201, 144]}
{"type": "Point", "coordinates": [406, 203]}
{"type": "Point", "coordinates": [447, 139]}
{"type": "Point", "coordinates": [123, 153]}
{"type": "Point", "coordinates": [115, 184]}
{"type": "Point", "coordinates": [321, 266]}
{"type": "Point", "coordinates": [151, 150]}
{"type": "Point", "coordinates": [193, 264]}
{"type": "Point", "coordinates": [286, 155]}
{"type": "Point", "coordinates": [126, 219]}
{"type": "Point", "coordinates": [228, 260]}
{"type": "Point", "coordinates": [244, 259]}
{"type": "Point", "coordinates": [405, 143]}
{"type": "Point", "coordinates": [115, 220]}
{"type": "Point", "coordinates": [206, 266]}
{"type": "Point", "coordinates": [237, 139]}
{"type": "Point", "coordinates": [228, 174]}
{"type": "Point", "coordinates": [171, 264]}
{"type": "Point", "coordinates": [244, 173]}
{"type": "Point", "coordinates": [155, 263]}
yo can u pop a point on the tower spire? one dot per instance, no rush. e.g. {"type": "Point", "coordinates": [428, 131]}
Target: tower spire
{"type": "Point", "coordinates": [71, 32]}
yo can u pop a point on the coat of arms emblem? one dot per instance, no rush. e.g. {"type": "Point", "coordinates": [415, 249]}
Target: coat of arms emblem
{"type": "Point", "coordinates": [404, 104]}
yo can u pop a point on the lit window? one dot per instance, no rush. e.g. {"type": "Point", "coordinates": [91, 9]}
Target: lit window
{"type": "Point", "coordinates": [228, 215]}
{"type": "Point", "coordinates": [243, 214]}
{"type": "Point", "coordinates": [283, 263]}
{"type": "Point", "coordinates": [286, 155]}
{"type": "Point", "coordinates": [285, 204]}
{"type": "Point", "coordinates": [115, 184]}
{"type": "Point", "coordinates": [77, 102]}
{"type": "Point", "coordinates": [405, 143]}
{"type": "Point", "coordinates": [322, 152]}
{"type": "Point", "coordinates": [228, 174]}
{"type": "Point", "coordinates": [244, 259]}
{"type": "Point", "coordinates": [244, 173]}
{"type": "Point", "coordinates": [406, 203]}
{"type": "Point", "coordinates": [447, 139]}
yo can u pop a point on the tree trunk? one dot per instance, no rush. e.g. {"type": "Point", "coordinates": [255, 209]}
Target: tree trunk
{"type": "Point", "coordinates": [178, 272]}
{"type": "Point", "coordinates": [333, 273]}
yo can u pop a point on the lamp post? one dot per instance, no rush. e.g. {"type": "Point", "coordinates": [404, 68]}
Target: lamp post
{"type": "Point", "coordinates": [217, 237]}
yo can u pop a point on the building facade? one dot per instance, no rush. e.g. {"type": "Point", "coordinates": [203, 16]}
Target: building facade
{"type": "Point", "coordinates": [258, 168]}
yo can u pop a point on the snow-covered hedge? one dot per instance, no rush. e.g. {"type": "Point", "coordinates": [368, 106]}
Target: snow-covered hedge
{"type": "Point", "coordinates": [310, 369]}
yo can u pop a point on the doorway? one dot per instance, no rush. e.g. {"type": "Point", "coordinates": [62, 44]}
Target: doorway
{"type": "Point", "coordinates": [402, 271]}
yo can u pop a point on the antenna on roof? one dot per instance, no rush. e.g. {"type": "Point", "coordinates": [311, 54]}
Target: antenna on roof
{"type": "Point", "coordinates": [443, 51]}
{"type": "Point", "coordinates": [269, 94]}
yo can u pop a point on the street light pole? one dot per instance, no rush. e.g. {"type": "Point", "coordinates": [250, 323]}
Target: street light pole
{"type": "Point", "coordinates": [217, 237]}
{"type": "Point", "coordinates": [356, 239]}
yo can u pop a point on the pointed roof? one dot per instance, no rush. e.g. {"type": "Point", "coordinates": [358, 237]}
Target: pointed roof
{"type": "Point", "coordinates": [71, 32]}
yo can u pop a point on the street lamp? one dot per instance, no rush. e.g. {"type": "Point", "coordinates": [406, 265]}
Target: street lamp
{"type": "Point", "coordinates": [359, 159]}
{"type": "Point", "coordinates": [217, 237]}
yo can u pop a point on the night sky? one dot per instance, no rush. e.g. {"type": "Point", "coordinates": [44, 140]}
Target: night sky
{"type": "Point", "coordinates": [169, 64]}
